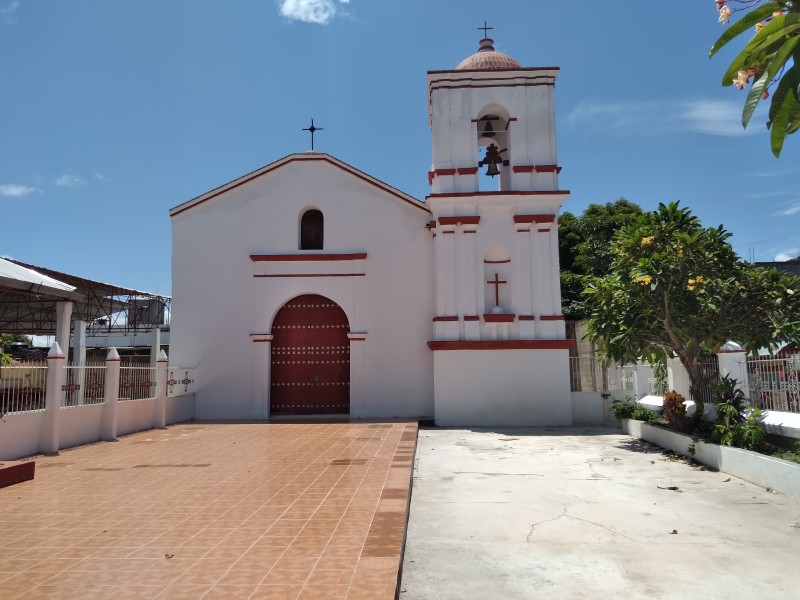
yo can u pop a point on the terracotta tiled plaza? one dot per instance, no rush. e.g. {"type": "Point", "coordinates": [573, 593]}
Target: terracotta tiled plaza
{"type": "Point", "coordinates": [251, 511]}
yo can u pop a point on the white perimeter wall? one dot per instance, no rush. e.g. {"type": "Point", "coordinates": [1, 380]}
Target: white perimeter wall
{"type": "Point", "coordinates": [20, 435]}
{"type": "Point", "coordinates": [502, 387]}
{"type": "Point", "coordinates": [80, 425]}
{"type": "Point", "coordinates": [218, 303]}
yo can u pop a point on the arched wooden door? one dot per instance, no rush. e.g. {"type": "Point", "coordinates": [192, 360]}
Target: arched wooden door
{"type": "Point", "coordinates": [310, 358]}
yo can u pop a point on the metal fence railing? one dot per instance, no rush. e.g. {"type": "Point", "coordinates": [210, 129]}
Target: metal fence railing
{"type": "Point", "coordinates": [591, 374]}
{"type": "Point", "coordinates": [137, 383]}
{"type": "Point", "coordinates": [774, 382]}
{"type": "Point", "coordinates": [84, 385]}
{"type": "Point", "coordinates": [23, 387]}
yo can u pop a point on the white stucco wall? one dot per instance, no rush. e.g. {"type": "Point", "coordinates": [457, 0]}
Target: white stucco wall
{"type": "Point", "coordinates": [219, 303]}
{"type": "Point", "coordinates": [80, 425]}
{"type": "Point", "coordinates": [502, 387]}
{"type": "Point", "coordinates": [20, 434]}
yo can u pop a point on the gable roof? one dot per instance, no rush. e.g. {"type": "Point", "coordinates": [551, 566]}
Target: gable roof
{"type": "Point", "coordinates": [305, 156]}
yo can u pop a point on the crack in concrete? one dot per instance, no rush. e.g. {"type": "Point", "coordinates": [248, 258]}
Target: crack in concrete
{"type": "Point", "coordinates": [535, 525]}
{"type": "Point", "coordinates": [587, 521]}
{"type": "Point", "coordinates": [497, 474]}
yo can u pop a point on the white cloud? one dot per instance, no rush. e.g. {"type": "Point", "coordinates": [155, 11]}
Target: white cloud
{"type": "Point", "coordinates": [788, 212]}
{"type": "Point", "coordinates": [717, 117]}
{"type": "Point", "coordinates": [769, 194]}
{"type": "Point", "coordinates": [13, 190]}
{"type": "Point", "coordinates": [7, 12]}
{"type": "Point", "coordinates": [661, 117]}
{"type": "Point", "coordinates": [770, 173]}
{"type": "Point", "coordinates": [788, 254]}
{"type": "Point", "coordinates": [69, 181]}
{"type": "Point", "coordinates": [311, 11]}
{"type": "Point", "coordinates": [99, 177]}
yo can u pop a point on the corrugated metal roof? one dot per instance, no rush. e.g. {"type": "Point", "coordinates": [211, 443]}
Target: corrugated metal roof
{"type": "Point", "coordinates": [20, 277]}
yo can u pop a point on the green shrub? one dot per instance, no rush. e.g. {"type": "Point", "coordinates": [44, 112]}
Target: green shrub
{"type": "Point", "coordinates": [730, 400]}
{"type": "Point", "coordinates": [734, 426]}
{"type": "Point", "coordinates": [749, 434]}
{"type": "Point", "coordinates": [623, 408]}
{"type": "Point", "coordinates": [640, 413]}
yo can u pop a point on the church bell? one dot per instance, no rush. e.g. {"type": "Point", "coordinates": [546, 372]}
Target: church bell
{"type": "Point", "coordinates": [492, 170]}
{"type": "Point", "coordinates": [488, 131]}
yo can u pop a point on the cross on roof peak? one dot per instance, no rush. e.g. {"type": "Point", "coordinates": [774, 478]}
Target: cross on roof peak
{"type": "Point", "coordinates": [311, 129]}
{"type": "Point", "coordinates": [485, 29]}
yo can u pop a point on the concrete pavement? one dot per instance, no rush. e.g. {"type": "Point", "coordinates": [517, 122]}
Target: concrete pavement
{"type": "Point", "coordinates": [568, 513]}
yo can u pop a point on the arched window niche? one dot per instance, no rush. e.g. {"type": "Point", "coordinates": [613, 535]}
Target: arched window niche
{"type": "Point", "coordinates": [312, 229]}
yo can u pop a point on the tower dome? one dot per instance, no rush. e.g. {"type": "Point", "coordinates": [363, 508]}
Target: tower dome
{"type": "Point", "coordinates": [487, 59]}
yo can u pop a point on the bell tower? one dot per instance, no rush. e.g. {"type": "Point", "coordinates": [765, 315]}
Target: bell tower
{"type": "Point", "coordinates": [500, 353]}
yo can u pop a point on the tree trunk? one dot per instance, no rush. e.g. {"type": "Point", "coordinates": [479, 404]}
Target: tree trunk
{"type": "Point", "coordinates": [691, 362]}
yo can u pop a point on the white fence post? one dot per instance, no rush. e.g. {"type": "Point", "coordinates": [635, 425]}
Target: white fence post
{"type": "Point", "coordinates": [642, 381]}
{"type": "Point", "coordinates": [108, 430]}
{"type": "Point", "coordinates": [52, 405]}
{"type": "Point", "coordinates": [734, 364]}
{"type": "Point", "coordinates": [162, 366]}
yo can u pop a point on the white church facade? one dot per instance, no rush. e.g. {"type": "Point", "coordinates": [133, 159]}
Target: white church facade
{"type": "Point", "coordinates": [309, 287]}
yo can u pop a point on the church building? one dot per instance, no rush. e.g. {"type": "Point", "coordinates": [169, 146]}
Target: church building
{"type": "Point", "coordinates": [308, 287]}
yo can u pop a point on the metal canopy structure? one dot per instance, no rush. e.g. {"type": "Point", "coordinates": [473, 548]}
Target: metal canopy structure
{"type": "Point", "coordinates": [29, 294]}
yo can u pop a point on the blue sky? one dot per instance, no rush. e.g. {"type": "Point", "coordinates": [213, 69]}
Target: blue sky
{"type": "Point", "coordinates": [113, 112]}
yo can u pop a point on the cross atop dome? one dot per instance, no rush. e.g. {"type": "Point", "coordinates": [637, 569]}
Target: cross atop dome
{"type": "Point", "coordinates": [487, 58]}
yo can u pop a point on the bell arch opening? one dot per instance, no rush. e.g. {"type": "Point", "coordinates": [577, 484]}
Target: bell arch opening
{"type": "Point", "coordinates": [494, 172]}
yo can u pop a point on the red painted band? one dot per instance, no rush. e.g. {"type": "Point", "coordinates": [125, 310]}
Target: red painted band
{"type": "Point", "coordinates": [313, 275]}
{"type": "Point", "coordinates": [499, 318]}
{"type": "Point", "coordinates": [497, 262]}
{"type": "Point", "coordinates": [526, 69]}
{"type": "Point", "coordinates": [551, 318]}
{"type": "Point", "coordinates": [472, 318]}
{"type": "Point", "coordinates": [504, 345]}
{"type": "Point", "coordinates": [548, 169]}
{"type": "Point", "coordinates": [534, 218]}
{"type": "Point", "coordinates": [448, 232]}
{"type": "Point", "coordinates": [523, 168]}
{"type": "Point", "coordinates": [526, 318]}
{"type": "Point", "coordinates": [467, 171]}
{"type": "Point", "coordinates": [433, 88]}
{"type": "Point", "coordinates": [306, 257]}
{"type": "Point", "coordinates": [437, 319]}
{"type": "Point", "coordinates": [506, 193]}
{"type": "Point", "coordinates": [459, 220]}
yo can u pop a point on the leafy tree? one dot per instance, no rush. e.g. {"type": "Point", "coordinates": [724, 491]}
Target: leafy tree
{"type": "Point", "coordinates": [585, 248]}
{"type": "Point", "coordinates": [770, 58]}
{"type": "Point", "coordinates": [6, 339]}
{"type": "Point", "coordinates": [676, 288]}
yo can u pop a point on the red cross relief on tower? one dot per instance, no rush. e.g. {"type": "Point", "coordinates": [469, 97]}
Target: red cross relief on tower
{"type": "Point", "coordinates": [496, 282]}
